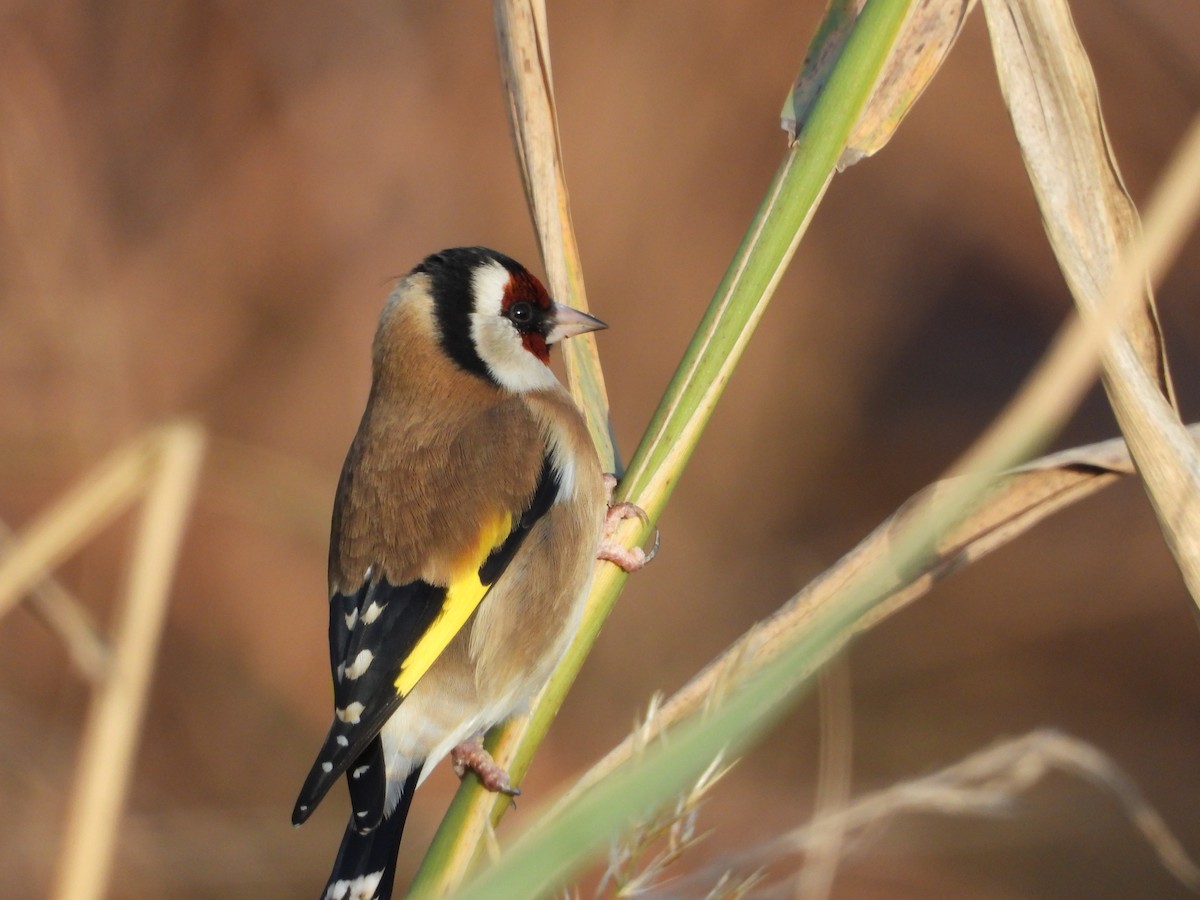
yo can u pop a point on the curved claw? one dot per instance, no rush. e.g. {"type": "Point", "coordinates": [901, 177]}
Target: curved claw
{"type": "Point", "coordinates": [653, 551]}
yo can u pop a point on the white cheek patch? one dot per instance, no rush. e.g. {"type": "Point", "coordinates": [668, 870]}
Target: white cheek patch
{"type": "Point", "coordinates": [489, 282]}
{"type": "Point", "coordinates": [497, 341]}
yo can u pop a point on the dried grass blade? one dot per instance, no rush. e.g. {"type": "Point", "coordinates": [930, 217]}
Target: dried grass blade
{"type": "Point", "coordinates": [1052, 98]}
{"type": "Point", "coordinates": [170, 471]}
{"type": "Point", "coordinates": [523, 43]}
{"type": "Point", "coordinates": [1094, 230]}
{"type": "Point", "coordinates": [834, 777]}
{"type": "Point", "coordinates": [533, 121]}
{"type": "Point", "coordinates": [72, 521]}
{"type": "Point", "coordinates": [68, 618]}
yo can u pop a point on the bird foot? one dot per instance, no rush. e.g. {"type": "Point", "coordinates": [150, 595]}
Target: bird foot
{"type": "Point", "coordinates": [470, 756]}
{"type": "Point", "coordinates": [628, 558]}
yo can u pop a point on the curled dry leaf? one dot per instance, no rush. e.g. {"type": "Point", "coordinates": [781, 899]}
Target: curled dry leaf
{"type": "Point", "coordinates": [929, 32]}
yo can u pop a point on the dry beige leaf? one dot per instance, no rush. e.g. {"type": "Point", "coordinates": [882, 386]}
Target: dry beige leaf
{"type": "Point", "coordinates": [928, 34]}
{"type": "Point", "coordinates": [823, 51]}
{"type": "Point", "coordinates": [1094, 231]}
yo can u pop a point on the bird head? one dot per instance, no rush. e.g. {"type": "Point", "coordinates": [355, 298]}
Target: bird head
{"type": "Point", "coordinates": [495, 319]}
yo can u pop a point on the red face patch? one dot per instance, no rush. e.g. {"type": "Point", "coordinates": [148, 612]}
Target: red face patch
{"type": "Point", "coordinates": [536, 344]}
{"type": "Point", "coordinates": [523, 288]}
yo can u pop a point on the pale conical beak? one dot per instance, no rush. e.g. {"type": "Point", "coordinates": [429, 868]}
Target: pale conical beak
{"type": "Point", "coordinates": [569, 322]}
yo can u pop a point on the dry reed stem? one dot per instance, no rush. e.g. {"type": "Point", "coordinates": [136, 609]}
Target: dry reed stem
{"type": "Point", "coordinates": [73, 521]}
{"type": "Point", "coordinates": [115, 716]}
{"type": "Point", "coordinates": [66, 617]}
{"type": "Point", "coordinates": [1093, 228]}
{"type": "Point", "coordinates": [524, 47]}
{"type": "Point", "coordinates": [162, 465]}
{"type": "Point", "coordinates": [1018, 501]}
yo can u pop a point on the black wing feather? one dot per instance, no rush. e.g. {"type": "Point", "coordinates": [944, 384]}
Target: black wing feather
{"type": "Point", "coordinates": [367, 781]}
{"type": "Point", "coordinates": [404, 614]}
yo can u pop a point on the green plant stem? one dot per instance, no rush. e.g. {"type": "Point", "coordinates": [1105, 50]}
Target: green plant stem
{"type": "Point", "coordinates": [685, 410]}
{"type": "Point", "coordinates": [557, 843]}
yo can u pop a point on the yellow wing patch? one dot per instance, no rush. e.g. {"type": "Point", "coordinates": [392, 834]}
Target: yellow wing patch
{"type": "Point", "coordinates": [463, 595]}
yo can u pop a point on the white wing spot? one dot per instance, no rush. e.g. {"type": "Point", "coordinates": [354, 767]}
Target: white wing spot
{"type": "Point", "coordinates": [352, 714]}
{"type": "Point", "coordinates": [361, 663]}
{"type": "Point", "coordinates": [343, 741]}
{"type": "Point", "coordinates": [352, 620]}
{"type": "Point", "coordinates": [361, 888]}
{"type": "Point", "coordinates": [326, 767]}
{"type": "Point", "coordinates": [360, 771]}
{"type": "Point", "coordinates": [372, 612]}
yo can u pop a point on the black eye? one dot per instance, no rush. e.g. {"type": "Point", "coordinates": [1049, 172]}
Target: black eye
{"type": "Point", "coordinates": [521, 312]}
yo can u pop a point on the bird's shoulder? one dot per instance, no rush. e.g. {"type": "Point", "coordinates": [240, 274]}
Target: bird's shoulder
{"type": "Point", "coordinates": [416, 492]}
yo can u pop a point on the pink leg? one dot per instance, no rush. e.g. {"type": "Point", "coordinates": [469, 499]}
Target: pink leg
{"type": "Point", "coordinates": [628, 558]}
{"type": "Point", "coordinates": [470, 756]}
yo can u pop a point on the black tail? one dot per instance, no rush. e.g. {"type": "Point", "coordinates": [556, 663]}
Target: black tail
{"type": "Point", "coordinates": [366, 863]}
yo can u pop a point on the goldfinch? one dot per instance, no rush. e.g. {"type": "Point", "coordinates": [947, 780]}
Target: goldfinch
{"type": "Point", "coordinates": [468, 512]}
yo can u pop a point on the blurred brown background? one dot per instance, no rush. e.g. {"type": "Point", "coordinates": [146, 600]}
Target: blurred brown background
{"type": "Point", "coordinates": [202, 205]}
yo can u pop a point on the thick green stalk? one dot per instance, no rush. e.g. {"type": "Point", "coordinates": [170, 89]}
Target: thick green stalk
{"type": "Point", "coordinates": [685, 410]}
